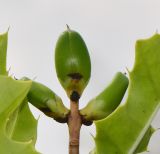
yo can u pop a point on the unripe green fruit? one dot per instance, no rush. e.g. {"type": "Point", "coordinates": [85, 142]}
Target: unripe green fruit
{"type": "Point", "coordinates": [47, 101]}
{"type": "Point", "coordinates": [107, 101]}
{"type": "Point", "coordinates": [72, 63]}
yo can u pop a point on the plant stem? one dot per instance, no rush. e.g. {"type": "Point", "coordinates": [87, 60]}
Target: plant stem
{"type": "Point", "coordinates": [74, 125]}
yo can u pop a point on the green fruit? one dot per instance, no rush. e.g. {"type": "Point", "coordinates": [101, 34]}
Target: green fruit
{"type": "Point", "coordinates": [107, 101]}
{"type": "Point", "coordinates": [72, 63]}
{"type": "Point", "coordinates": [47, 101]}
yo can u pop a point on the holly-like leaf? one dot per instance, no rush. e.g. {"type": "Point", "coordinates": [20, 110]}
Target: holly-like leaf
{"type": "Point", "coordinates": [122, 131]}
{"type": "Point", "coordinates": [143, 145]}
{"type": "Point", "coordinates": [17, 124]}
{"type": "Point", "coordinates": [3, 53]}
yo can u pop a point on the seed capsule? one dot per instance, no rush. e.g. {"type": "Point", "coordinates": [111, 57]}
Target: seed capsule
{"type": "Point", "coordinates": [72, 62]}
{"type": "Point", "coordinates": [107, 101]}
{"type": "Point", "coordinates": [47, 101]}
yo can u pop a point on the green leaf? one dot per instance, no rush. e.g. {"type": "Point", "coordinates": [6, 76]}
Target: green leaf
{"type": "Point", "coordinates": [143, 145]}
{"type": "Point", "coordinates": [122, 131]}
{"type": "Point", "coordinates": [108, 100]}
{"type": "Point", "coordinates": [72, 62]}
{"type": "Point", "coordinates": [17, 124]}
{"type": "Point", "coordinates": [3, 53]}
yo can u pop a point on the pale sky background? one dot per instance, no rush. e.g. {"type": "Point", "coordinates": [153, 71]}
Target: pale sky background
{"type": "Point", "coordinates": [109, 28]}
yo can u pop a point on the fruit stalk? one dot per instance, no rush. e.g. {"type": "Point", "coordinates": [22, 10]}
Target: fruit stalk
{"type": "Point", "coordinates": [74, 125]}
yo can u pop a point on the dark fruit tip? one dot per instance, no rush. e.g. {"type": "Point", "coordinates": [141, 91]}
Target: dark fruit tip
{"type": "Point", "coordinates": [74, 96]}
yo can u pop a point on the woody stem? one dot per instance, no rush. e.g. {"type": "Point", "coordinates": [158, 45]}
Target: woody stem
{"type": "Point", "coordinates": [74, 125]}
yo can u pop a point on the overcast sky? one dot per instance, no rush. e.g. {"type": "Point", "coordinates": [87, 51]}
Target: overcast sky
{"type": "Point", "coordinates": [109, 28]}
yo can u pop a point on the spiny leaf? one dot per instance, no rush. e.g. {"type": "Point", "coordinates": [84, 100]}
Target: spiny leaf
{"type": "Point", "coordinates": [143, 145]}
{"type": "Point", "coordinates": [122, 131]}
{"type": "Point", "coordinates": [3, 53]}
{"type": "Point", "coordinates": [25, 127]}
{"type": "Point", "coordinates": [17, 124]}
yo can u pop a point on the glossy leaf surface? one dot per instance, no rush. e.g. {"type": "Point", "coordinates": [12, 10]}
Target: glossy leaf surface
{"type": "Point", "coordinates": [3, 53]}
{"type": "Point", "coordinates": [143, 145]}
{"type": "Point", "coordinates": [17, 124]}
{"type": "Point", "coordinates": [122, 131]}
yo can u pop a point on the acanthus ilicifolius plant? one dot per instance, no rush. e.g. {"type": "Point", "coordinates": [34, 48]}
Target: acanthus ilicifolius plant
{"type": "Point", "coordinates": [120, 128]}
